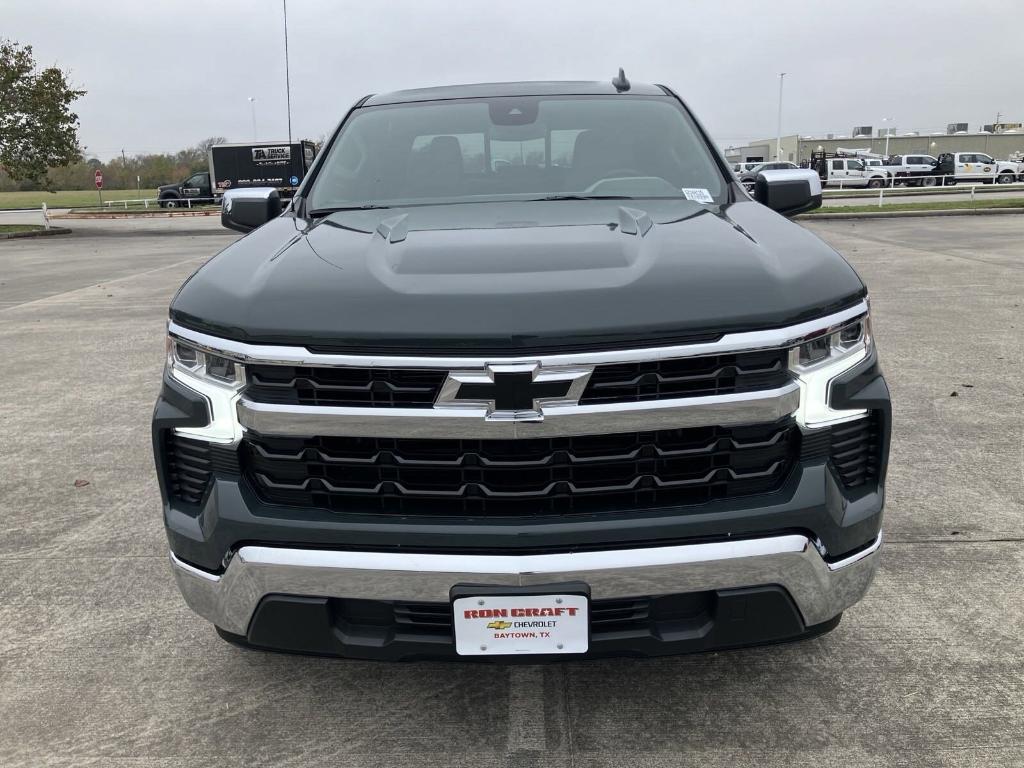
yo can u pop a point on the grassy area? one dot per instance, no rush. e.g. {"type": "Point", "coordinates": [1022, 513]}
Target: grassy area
{"type": "Point", "coordinates": [67, 198]}
{"type": "Point", "coordinates": [933, 205]}
{"type": "Point", "coordinates": [7, 229]}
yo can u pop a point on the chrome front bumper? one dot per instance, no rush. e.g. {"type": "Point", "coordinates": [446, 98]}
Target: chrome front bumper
{"type": "Point", "coordinates": [821, 590]}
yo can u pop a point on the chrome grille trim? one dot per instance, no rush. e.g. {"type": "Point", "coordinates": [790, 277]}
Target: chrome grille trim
{"type": "Point", "coordinates": [763, 406]}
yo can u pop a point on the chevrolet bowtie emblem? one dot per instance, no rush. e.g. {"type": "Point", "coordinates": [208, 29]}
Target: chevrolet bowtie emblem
{"type": "Point", "coordinates": [513, 392]}
{"type": "Point", "coordinates": [499, 625]}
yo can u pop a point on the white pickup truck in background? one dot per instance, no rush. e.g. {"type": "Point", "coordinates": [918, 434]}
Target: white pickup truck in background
{"type": "Point", "coordinates": [957, 167]}
{"type": "Point", "coordinates": [845, 172]}
{"type": "Point", "coordinates": [913, 170]}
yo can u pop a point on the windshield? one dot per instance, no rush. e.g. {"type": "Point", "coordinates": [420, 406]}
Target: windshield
{"type": "Point", "coordinates": [522, 148]}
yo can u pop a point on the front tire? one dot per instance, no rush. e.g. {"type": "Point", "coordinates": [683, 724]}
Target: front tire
{"type": "Point", "coordinates": [875, 183]}
{"type": "Point", "coordinates": [927, 181]}
{"type": "Point", "coordinates": [1005, 178]}
{"type": "Point", "coordinates": [949, 181]}
{"type": "Point", "coordinates": [172, 202]}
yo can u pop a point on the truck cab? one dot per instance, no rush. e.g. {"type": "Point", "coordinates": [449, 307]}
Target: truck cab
{"type": "Point", "coordinates": [195, 188]}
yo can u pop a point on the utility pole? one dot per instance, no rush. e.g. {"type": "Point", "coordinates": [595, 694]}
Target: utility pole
{"type": "Point", "coordinates": [287, 71]}
{"type": "Point", "coordinates": [778, 131]}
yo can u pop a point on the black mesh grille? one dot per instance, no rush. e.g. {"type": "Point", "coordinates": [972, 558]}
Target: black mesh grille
{"type": "Point", "coordinates": [369, 387]}
{"type": "Point", "coordinates": [688, 377]}
{"type": "Point", "coordinates": [608, 617]}
{"type": "Point", "coordinates": [191, 463]}
{"type": "Point", "coordinates": [591, 473]}
{"type": "Point", "coordinates": [854, 450]}
{"type": "Point", "coordinates": [419, 388]}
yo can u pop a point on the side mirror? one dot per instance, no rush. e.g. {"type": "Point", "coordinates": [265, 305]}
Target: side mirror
{"type": "Point", "coordinates": [246, 209]}
{"type": "Point", "coordinates": [788, 192]}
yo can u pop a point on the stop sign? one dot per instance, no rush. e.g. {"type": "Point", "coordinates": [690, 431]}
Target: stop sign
{"type": "Point", "coordinates": [99, 178]}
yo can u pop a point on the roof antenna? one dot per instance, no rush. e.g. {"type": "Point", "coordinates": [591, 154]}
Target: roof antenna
{"type": "Point", "coordinates": [620, 82]}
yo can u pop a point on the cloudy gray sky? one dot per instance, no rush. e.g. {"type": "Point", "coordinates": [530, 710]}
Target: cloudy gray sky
{"type": "Point", "coordinates": [163, 75]}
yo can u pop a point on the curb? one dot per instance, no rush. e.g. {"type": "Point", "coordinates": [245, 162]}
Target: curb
{"type": "Point", "coordinates": [36, 233]}
{"type": "Point", "coordinates": [911, 214]}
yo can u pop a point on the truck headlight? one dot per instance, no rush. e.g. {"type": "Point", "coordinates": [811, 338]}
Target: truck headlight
{"type": "Point", "coordinates": [218, 379]}
{"type": "Point", "coordinates": [205, 365]}
{"type": "Point", "coordinates": [819, 359]}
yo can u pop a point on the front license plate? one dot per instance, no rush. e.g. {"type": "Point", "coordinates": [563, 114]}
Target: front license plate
{"type": "Point", "coordinates": [494, 625]}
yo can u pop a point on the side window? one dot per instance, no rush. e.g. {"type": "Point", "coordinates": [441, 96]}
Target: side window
{"type": "Point", "coordinates": [984, 159]}
{"type": "Point", "coordinates": [837, 165]}
{"type": "Point", "coordinates": [196, 180]}
{"type": "Point", "coordinates": [855, 165]}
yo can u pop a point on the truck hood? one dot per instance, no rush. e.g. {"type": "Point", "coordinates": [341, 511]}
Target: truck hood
{"type": "Point", "coordinates": [516, 276]}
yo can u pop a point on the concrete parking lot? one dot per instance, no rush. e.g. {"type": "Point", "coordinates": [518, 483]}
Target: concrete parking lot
{"type": "Point", "coordinates": [101, 664]}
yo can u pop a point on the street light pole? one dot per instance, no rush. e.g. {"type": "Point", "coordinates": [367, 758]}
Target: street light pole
{"type": "Point", "coordinates": [287, 71]}
{"type": "Point", "coordinates": [887, 132]}
{"type": "Point", "coordinates": [252, 103]}
{"type": "Point", "coordinates": [778, 128]}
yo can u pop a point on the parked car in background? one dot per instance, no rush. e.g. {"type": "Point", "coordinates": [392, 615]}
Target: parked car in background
{"type": "Point", "coordinates": [741, 168]}
{"type": "Point", "coordinates": [851, 172]}
{"type": "Point", "coordinates": [749, 177]}
{"type": "Point", "coordinates": [913, 170]}
{"type": "Point", "coordinates": [957, 167]}
{"type": "Point", "coordinates": [275, 164]}
{"type": "Point", "coordinates": [195, 188]}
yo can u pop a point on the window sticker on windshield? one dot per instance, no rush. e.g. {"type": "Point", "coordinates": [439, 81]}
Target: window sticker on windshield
{"type": "Point", "coordinates": [697, 195]}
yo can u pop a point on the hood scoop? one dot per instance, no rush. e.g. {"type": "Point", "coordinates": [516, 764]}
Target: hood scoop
{"type": "Point", "coordinates": [634, 222]}
{"type": "Point", "coordinates": [394, 229]}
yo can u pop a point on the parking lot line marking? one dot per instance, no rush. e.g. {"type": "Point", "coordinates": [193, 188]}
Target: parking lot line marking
{"type": "Point", "coordinates": [114, 281]}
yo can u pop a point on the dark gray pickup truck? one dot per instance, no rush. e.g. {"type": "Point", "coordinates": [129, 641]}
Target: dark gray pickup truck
{"type": "Point", "coordinates": [522, 369]}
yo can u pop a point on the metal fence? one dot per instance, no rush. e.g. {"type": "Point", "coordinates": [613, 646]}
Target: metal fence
{"type": "Point", "coordinates": [896, 188]}
{"type": "Point", "coordinates": [1005, 180]}
{"type": "Point", "coordinates": [148, 202]}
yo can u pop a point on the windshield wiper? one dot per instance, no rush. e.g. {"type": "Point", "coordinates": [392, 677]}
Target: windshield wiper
{"type": "Point", "coordinates": [316, 212]}
{"type": "Point", "coordinates": [578, 197]}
